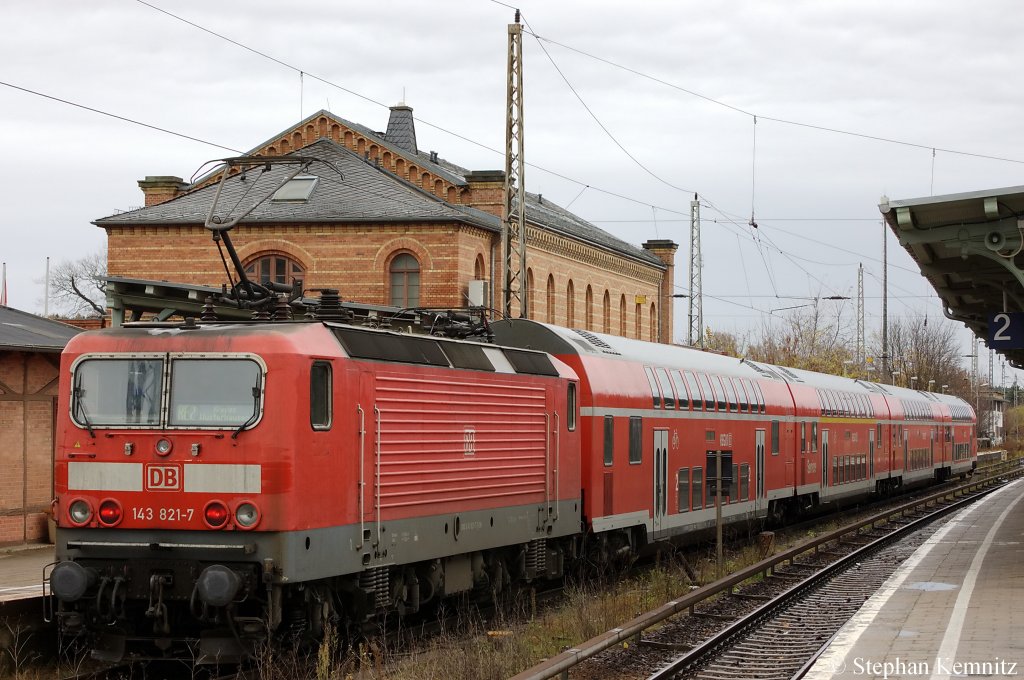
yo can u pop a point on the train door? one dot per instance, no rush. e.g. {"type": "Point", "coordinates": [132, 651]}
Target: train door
{"type": "Point", "coordinates": [826, 473]}
{"type": "Point", "coordinates": [759, 502]}
{"type": "Point", "coordinates": [871, 453]}
{"type": "Point", "coordinates": [660, 477]}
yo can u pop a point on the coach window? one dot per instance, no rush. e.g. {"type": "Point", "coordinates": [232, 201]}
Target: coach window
{"type": "Point", "coordinates": [570, 407]}
{"type": "Point", "coordinates": [655, 391]}
{"type": "Point", "coordinates": [705, 387]}
{"type": "Point", "coordinates": [745, 481]}
{"type": "Point", "coordinates": [635, 438]}
{"type": "Point", "coordinates": [761, 405]}
{"type": "Point", "coordinates": [814, 437]}
{"type": "Point", "coordinates": [677, 382]}
{"type": "Point", "coordinates": [405, 281]}
{"type": "Point", "coordinates": [691, 383]}
{"type": "Point", "coordinates": [716, 387]}
{"type": "Point", "coordinates": [666, 387]}
{"type": "Point", "coordinates": [741, 386]}
{"type": "Point", "coordinates": [730, 394]}
{"type": "Point", "coordinates": [609, 440]}
{"type": "Point", "coordinates": [697, 481]}
{"type": "Point", "coordinates": [803, 437]}
{"type": "Point", "coordinates": [775, 437]}
{"type": "Point", "coordinates": [683, 490]}
{"type": "Point", "coordinates": [320, 395]}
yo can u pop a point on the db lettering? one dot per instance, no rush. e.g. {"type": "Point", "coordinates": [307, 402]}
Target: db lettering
{"type": "Point", "coordinates": [163, 478]}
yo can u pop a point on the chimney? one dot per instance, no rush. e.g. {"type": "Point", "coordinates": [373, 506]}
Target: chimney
{"type": "Point", "coordinates": [161, 188]}
{"type": "Point", "coordinates": [665, 250]}
{"type": "Point", "coordinates": [486, 191]}
{"type": "Point", "coordinates": [402, 128]}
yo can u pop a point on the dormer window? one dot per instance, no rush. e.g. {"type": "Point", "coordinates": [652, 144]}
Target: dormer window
{"type": "Point", "coordinates": [296, 189]}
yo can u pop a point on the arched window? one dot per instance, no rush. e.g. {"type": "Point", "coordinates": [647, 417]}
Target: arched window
{"type": "Point", "coordinates": [276, 269]}
{"type": "Point", "coordinates": [589, 311]}
{"type": "Point", "coordinates": [405, 281]}
{"type": "Point", "coordinates": [638, 329]}
{"type": "Point", "coordinates": [570, 305]}
{"type": "Point", "coordinates": [551, 299]}
{"type": "Point", "coordinates": [531, 296]}
{"type": "Point", "coordinates": [654, 323]}
{"type": "Point", "coordinates": [606, 312]}
{"type": "Point", "coordinates": [622, 316]}
{"type": "Point", "coordinates": [478, 267]}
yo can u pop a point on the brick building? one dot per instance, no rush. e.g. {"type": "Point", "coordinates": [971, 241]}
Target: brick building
{"type": "Point", "coordinates": [30, 349]}
{"type": "Point", "coordinates": [388, 224]}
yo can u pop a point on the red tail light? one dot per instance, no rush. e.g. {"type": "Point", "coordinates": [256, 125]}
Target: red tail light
{"type": "Point", "coordinates": [216, 514]}
{"type": "Point", "coordinates": [110, 512]}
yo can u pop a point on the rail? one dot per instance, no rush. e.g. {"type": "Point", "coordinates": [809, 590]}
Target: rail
{"type": "Point", "coordinates": [563, 662]}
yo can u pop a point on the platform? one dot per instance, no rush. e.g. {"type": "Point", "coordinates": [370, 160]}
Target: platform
{"type": "Point", "coordinates": [21, 571]}
{"type": "Point", "coordinates": [955, 608]}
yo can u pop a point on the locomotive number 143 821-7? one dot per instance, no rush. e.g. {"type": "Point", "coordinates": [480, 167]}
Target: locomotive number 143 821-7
{"type": "Point", "coordinates": [163, 514]}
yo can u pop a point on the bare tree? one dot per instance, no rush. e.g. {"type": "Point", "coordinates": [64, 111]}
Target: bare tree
{"type": "Point", "coordinates": [923, 354]}
{"type": "Point", "coordinates": [79, 287]}
{"type": "Point", "coordinates": [812, 338]}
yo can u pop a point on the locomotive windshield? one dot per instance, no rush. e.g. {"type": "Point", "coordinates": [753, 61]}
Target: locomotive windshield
{"type": "Point", "coordinates": [213, 392]}
{"type": "Point", "coordinates": [204, 392]}
{"type": "Point", "coordinates": [118, 392]}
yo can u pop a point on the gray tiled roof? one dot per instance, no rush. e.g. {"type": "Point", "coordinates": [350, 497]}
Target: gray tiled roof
{"type": "Point", "coordinates": [22, 331]}
{"type": "Point", "coordinates": [445, 169]}
{"type": "Point", "coordinates": [545, 213]}
{"type": "Point", "coordinates": [367, 194]}
{"type": "Point", "coordinates": [361, 192]}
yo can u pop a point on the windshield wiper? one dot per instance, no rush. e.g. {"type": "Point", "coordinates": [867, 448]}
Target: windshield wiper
{"type": "Point", "coordinates": [80, 411]}
{"type": "Point", "coordinates": [255, 411]}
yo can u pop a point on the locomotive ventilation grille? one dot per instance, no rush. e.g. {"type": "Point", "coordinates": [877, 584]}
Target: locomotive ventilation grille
{"type": "Point", "coordinates": [597, 342]}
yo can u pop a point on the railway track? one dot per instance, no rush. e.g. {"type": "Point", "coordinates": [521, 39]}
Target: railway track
{"type": "Point", "coordinates": [769, 620]}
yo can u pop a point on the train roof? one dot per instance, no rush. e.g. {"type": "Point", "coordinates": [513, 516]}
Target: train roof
{"type": "Point", "coordinates": [322, 337]}
{"type": "Point", "coordinates": [561, 341]}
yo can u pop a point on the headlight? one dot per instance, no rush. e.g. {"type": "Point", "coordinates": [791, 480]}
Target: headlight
{"type": "Point", "coordinates": [247, 515]}
{"type": "Point", "coordinates": [80, 512]}
{"type": "Point", "coordinates": [163, 446]}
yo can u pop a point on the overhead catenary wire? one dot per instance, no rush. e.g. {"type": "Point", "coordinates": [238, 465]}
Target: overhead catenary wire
{"type": "Point", "coordinates": [774, 119]}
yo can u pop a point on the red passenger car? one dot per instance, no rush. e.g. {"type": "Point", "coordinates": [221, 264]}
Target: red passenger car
{"type": "Point", "coordinates": [652, 415]}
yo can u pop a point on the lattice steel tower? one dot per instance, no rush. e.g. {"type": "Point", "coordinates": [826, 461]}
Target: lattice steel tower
{"type": "Point", "coordinates": [860, 316]}
{"type": "Point", "coordinates": [513, 227]}
{"type": "Point", "coordinates": [696, 334]}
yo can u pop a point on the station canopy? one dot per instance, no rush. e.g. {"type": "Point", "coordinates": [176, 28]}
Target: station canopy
{"type": "Point", "coordinates": [970, 247]}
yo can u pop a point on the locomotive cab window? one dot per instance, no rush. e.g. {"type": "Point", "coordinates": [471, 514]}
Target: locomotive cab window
{"type": "Point", "coordinates": [609, 440]}
{"type": "Point", "coordinates": [570, 407]}
{"type": "Point", "coordinates": [320, 395]}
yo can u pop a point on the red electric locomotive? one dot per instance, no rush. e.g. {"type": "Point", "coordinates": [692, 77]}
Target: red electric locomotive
{"type": "Point", "coordinates": [217, 483]}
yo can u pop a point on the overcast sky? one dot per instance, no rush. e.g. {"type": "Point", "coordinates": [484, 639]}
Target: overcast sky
{"type": "Point", "coordinates": [943, 75]}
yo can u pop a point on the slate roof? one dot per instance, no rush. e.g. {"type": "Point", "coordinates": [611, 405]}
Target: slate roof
{"type": "Point", "coordinates": [442, 168]}
{"type": "Point", "coordinates": [21, 331]}
{"type": "Point", "coordinates": [367, 194]}
{"type": "Point", "coordinates": [349, 189]}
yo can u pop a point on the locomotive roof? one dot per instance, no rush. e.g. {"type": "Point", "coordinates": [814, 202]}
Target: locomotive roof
{"type": "Point", "coordinates": [558, 340]}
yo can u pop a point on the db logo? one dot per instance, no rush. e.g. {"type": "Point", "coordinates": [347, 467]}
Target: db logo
{"type": "Point", "coordinates": [163, 478]}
